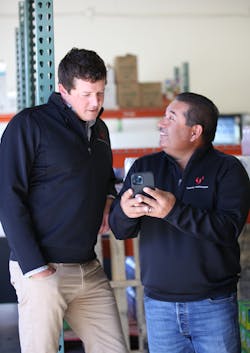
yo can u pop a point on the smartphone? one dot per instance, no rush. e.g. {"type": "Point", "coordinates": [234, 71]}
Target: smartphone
{"type": "Point", "coordinates": [140, 180]}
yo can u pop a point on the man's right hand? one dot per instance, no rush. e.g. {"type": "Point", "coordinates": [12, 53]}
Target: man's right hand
{"type": "Point", "coordinates": [131, 206]}
{"type": "Point", "coordinates": [48, 272]}
{"type": "Point", "coordinates": [158, 205]}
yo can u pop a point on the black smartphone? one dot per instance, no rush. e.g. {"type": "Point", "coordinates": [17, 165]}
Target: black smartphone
{"type": "Point", "coordinates": [140, 180]}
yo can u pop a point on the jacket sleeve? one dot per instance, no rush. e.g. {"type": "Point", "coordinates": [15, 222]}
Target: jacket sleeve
{"type": "Point", "coordinates": [103, 133]}
{"type": "Point", "coordinates": [224, 222]}
{"type": "Point", "coordinates": [111, 187]}
{"type": "Point", "coordinates": [121, 225]}
{"type": "Point", "coordinates": [18, 149]}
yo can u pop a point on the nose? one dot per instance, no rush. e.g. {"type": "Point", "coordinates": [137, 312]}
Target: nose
{"type": "Point", "coordinates": [163, 122]}
{"type": "Point", "coordinates": [94, 100]}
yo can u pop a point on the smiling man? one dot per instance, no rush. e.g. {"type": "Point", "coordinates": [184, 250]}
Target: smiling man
{"type": "Point", "coordinates": [56, 188]}
{"type": "Point", "coordinates": [189, 229]}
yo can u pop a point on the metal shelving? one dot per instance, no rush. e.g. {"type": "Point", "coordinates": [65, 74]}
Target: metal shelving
{"type": "Point", "coordinates": [35, 53]}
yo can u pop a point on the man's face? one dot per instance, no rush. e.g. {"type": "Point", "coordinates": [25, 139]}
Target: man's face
{"type": "Point", "coordinates": [175, 135]}
{"type": "Point", "coordinates": [86, 98]}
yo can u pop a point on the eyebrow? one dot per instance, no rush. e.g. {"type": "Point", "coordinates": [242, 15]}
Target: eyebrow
{"type": "Point", "coordinates": [172, 112]}
{"type": "Point", "coordinates": [89, 92]}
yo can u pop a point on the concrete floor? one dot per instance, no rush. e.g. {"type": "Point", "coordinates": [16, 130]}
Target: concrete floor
{"type": "Point", "coordinates": [9, 340]}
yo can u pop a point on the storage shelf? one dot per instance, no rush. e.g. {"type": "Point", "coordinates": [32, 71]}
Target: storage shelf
{"type": "Point", "coordinates": [133, 113]}
{"type": "Point", "coordinates": [127, 113]}
{"type": "Point", "coordinates": [117, 113]}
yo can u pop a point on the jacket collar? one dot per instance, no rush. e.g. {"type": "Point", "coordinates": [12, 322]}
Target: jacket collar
{"type": "Point", "coordinates": [196, 156]}
{"type": "Point", "coordinates": [69, 116]}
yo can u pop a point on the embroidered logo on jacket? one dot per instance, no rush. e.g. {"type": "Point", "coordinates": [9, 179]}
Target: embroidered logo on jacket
{"type": "Point", "coordinates": [198, 183]}
{"type": "Point", "coordinates": [199, 180]}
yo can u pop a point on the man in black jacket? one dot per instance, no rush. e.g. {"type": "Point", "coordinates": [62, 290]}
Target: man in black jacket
{"type": "Point", "coordinates": [56, 188]}
{"type": "Point", "coordinates": [189, 229]}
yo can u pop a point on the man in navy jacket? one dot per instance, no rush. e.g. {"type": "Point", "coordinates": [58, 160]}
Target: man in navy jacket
{"type": "Point", "coordinates": [56, 188]}
{"type": "Point", "coordinates": [189, 227]}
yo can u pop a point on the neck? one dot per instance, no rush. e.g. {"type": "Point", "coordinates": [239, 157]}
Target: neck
{"type": "Point", "coordinates": [183, 161]}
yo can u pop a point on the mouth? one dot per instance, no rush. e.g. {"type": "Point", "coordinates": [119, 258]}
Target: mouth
{"type": "Point", "coordinates": [163, 132]}
{"type": "Point", "coordinates": [93, 112]}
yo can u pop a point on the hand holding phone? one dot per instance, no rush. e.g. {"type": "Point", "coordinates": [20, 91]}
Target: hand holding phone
{"type": "Point", "coordinates": [140, 180]}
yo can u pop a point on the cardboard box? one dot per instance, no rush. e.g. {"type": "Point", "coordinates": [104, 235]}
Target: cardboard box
{"type": "Point", "coordinates": [128, 95]}
{"type": "Point", "coordinates": [126, 68]}
{"type": "Point", "coordinates": [151, 94]}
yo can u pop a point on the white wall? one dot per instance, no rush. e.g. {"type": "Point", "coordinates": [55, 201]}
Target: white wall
{"type": "Point", "coordinates": [213, 36]}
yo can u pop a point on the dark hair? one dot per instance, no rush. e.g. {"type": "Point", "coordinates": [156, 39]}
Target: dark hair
{"type": "Point", "coordinates": [83, 64]}
{"type": "Point", "coordinates": [201, 111]}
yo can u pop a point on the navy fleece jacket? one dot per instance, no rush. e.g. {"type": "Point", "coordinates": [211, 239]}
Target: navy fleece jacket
{"type": "Point", "coordinates": [53, 185]}
{"type": "Point", "coordinates": [193, 253]}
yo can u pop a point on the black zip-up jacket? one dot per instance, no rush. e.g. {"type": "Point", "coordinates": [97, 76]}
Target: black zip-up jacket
{"type": "Point", "coordinates": [192, 253]}
{"type": "Point", "coordinates": [53, 185]}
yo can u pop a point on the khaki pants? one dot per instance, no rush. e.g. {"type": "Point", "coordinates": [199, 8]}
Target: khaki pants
{"type": "Point", "coordinates": [81, 294]}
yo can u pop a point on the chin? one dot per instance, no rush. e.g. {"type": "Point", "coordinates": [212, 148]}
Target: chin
{"type": "Point", "coordinates": [89, 117]}
{"type": "Point", "coordinates": [162, 143]}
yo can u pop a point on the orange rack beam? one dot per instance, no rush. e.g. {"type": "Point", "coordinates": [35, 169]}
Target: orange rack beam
{"type": "Point", "coordinates": [119, 155]}
{"type": "Point", "coordinates": [5, 118]}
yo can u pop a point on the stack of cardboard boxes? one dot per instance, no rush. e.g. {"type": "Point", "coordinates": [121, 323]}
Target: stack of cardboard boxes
{"type": "Point", "coordinates": [151, 94]}
{"type": "Point", "coordinates": [131, 93]}
{"type": "Point", "coordinates": [126, 75]}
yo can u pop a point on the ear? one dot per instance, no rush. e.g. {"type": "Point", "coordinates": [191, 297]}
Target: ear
{"type": "Point", "coordinates": [196, 132]}
{"type": "Point", "coordinates": [62, 90]}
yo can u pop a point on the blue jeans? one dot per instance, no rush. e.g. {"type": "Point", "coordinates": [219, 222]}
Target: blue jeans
{"type": "Point", "coordinates": [205, 326]}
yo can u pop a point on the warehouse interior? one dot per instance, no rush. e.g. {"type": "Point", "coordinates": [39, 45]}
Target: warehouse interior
{"type": "Point", "coordinates": [166, 47]}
